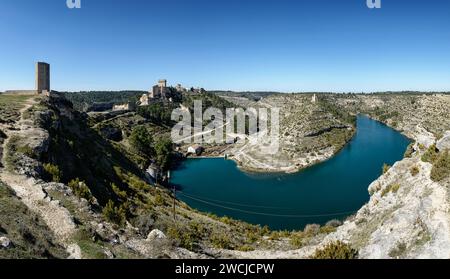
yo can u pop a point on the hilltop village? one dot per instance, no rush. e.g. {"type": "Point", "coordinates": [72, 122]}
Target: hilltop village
{"type": "Point", "coordinates": [160, 93]}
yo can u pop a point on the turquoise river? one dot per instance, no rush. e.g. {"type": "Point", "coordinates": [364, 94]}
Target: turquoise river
{"type": "Point", "coordinates": [333, 189]}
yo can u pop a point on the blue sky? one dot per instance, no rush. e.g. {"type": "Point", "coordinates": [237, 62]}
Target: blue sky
{"type": "Point", "coordinates": [282, 45]}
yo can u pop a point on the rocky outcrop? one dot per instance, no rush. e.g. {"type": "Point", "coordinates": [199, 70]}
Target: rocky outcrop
{"type": "Point", "coordinates": [155, 234]}
{"type": "Point", "coordinates": [406, 217]}
{"type": "Point", "coordinates": [444, 143]}
{"type": "Point", "coordinates": [5, 242]}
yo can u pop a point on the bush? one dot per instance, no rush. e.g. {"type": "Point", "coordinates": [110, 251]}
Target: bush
{"type": "Point", "coordinates": [52, 172]}
{"type": "Point", "coordinates": [431, 154]}
{"type": "Point", "coordinates": [116, 215]}
{"type": "Point", "coordinates": [26, 150]}
{"type": "Point", "coordinates": [81, 190]}
{"type": "Point", "coordinates": [121, 194]}
{"type": "Point", "coordinates": [185, 237]}
{"type": "Point", "coordinates": [159, 200]}
{"type": "Point", "coordinates": [297, 240]}
{"type": "Point", "coordinates": [414, 170]}
{"type": "Point", "coordinates": [327, 229]}
{"type": "Point", "coordinates": [221, 241]}
{"type": "Point", "coordinates": [246, 248]}
{"type": "Point", "coordinates": [164, 149]}
{"type": "Point", "coordinates": [409, 151]}
{"type": "Point", "coordinates": [337, 250]}
{"type": "Point", "coordinates": [386, 168]}
{"type": "Point", "coordinates": [391, 188]}
{"type": "Point", "coordinates": [441, 168]}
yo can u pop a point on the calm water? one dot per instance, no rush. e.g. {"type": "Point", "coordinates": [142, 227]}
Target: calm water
{"type": "Point", "coordinates": [331, 190]}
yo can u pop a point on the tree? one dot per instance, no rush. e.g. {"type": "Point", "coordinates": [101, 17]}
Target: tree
{"type": "Point", "coordinates": [116, 215]}
{"type": "Point", "coordinates": [141, 140]}
{"type": "Point", "coordinates": [164, 149]}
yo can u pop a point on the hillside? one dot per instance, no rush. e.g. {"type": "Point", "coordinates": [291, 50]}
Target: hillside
{"type": "Point", "coordinates": [80, 192]}
{"type": "Point", "coordinates": [310, 132]}
{"type": "Point", "coordinates": [90, 193]}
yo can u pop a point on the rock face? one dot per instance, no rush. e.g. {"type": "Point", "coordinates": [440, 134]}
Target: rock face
{"type": "Point", "coordinates": [444, 143]}
{"type": "Point", "coordinates": [407, 216]}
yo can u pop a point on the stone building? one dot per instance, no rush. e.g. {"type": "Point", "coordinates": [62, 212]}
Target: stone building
{"type": "Point", "coordinates": [195, 150]}
{"type": "Point", "coordinates": [42, 78]}
{"type": "Point", "coordinates": [144, 100]}
{"type": "Point", "coordinates": [160, 90]}
{"type": "Point", "coordinates": [126, 106]}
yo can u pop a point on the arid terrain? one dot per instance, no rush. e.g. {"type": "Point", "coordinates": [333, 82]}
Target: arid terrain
{"type": "Point", "coordinates": [73, 185]}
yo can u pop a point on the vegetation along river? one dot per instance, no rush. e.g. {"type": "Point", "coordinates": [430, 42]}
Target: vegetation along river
{"type": "Point", "coordinates": [333, 189]}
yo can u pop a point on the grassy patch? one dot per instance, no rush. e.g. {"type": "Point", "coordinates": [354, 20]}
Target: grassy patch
{"type": "Point", "coordinates": [10, 105]}
{"type": "Point", "coordinates": [31, 238]}
{"type": "Point", "coordinates": [441, 167]}
{"type": "Point", "coordinates": [398, 250]}
{"type": "Point", "coordinates": [392, 188]}
{"type": "Point", "coordinates": [431, 154]}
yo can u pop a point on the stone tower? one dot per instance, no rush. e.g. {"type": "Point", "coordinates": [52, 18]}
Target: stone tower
{"type": "Point", "coordinates": [162, 83]}
{"type": "Point", "coordinates": [42, 77]}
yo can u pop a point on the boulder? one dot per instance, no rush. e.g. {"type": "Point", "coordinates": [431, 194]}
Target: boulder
{"type": "Point", "coordinates": [155, 234]}
{"type": "Point", "coordinates": [109, 254]}
{"type": "Point", "coordinates": [5, 242]}
{"type": "Point", "coordinates": [444, 142]}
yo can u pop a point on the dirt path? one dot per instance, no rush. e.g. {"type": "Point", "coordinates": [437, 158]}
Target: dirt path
{"type": "Point", "coordinates": [32, 192]}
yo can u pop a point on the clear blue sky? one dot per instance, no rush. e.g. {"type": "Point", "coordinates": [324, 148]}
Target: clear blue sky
{"type": "Point", "coordinates": [282, 45]}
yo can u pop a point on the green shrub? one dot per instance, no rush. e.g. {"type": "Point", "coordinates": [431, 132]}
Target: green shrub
{"type": "Point", "coordinates": [246, 248]}
{"type": "Point", "coordinates": [221, 240]}
{"type": "Point", "coordinates": [441, 168]}
{"type": "Point", "coordinates": [81, 190]}
{"type": "Point", "coordinates": [113, 214]}
{"type": "Point", "coordinates": [391, 188]}
{"type": "Point", "coordinates": [327, 229]}
{"type": "Point", "coordinates": [386, 168]}
{"type": "Point", "coordinates": [337, 250]}
{"type": "Point", "coordinates": [297, 239]}
{"type": "Point", "coordinates": [409, 151]}
{"type": "Point", "coordinates": [252, 237]}
{"type": "Point", "coordinates": [159, 200]}
{"type": "Point", "coordinates": [121, 194]}
{"type": "Point", "coordinates": [52, 172]}
{"type": "Point", "coordinates": [185, 237]}
{"type": "Point", "coordinates": [414, 170]}
{"type": "Point", "coordinates": [398, 250]}
{"type": "Point", "coordinates": [275, 235]}
{"type": "Point", "coordinates": [431, 154]}
{"type": "Point", "coordinates": [26, 150]}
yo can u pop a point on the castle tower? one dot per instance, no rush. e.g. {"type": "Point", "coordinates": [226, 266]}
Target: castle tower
{"type": "Point", "coordinates": [42, 77]}
{"type": "Point", "coordinates": [162, 83]}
